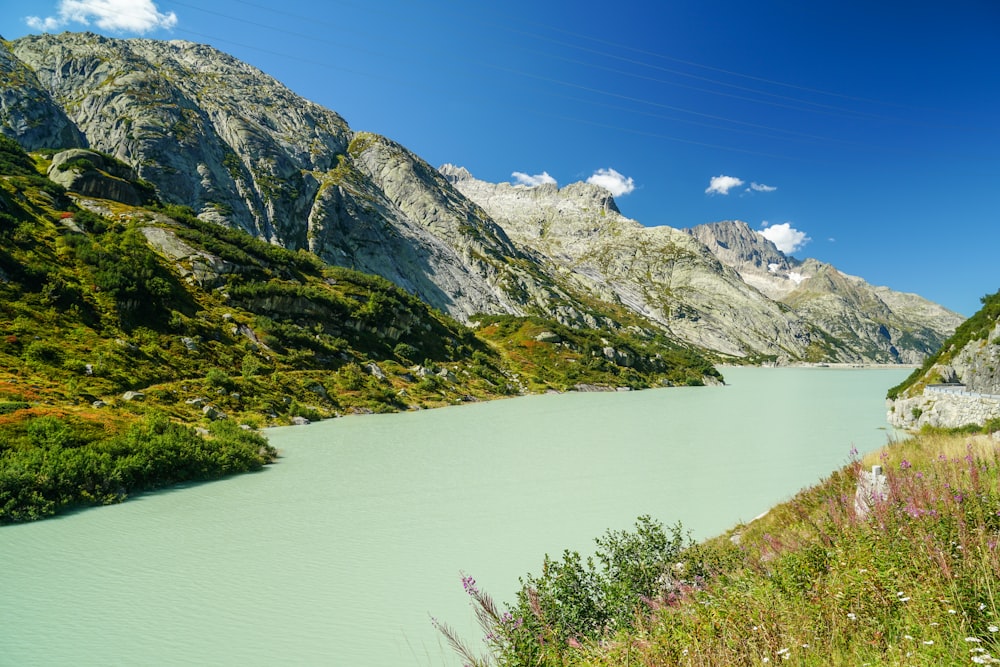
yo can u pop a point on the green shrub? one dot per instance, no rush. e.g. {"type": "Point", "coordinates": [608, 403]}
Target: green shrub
{"type": "Point", "coordinates": [217, 378]}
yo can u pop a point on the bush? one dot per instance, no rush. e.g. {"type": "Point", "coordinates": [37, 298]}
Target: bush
{"type": "Point", "coordinates": [575, 599]}
{"type": "Point", "coordinates": [217, 378]}
{"type": "Point", "coordinates": [61, 463]}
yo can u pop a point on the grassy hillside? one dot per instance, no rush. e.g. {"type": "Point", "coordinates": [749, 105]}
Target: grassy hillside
{"type": "Point", "coordinates": [905, 578]}
{"type": "Point", "coordinates": [975, 328]}
{"type": "Point", "coordinates": [117, 320]}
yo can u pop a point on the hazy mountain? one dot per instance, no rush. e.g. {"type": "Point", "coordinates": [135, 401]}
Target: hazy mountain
{"type": "Point", "coordinates": [868, 321]}
{"type": "Point", "coordinates": [721, 286]}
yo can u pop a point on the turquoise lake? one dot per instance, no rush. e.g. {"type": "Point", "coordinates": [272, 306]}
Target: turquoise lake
{"type": "Point", "coordinates": [340, 552]}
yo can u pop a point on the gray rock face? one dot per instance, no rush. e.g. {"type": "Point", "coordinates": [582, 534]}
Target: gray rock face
{"type": "Point", "coordinates": [93, 175]}
{"type": "Point", "coordinates": [27, 111]}
{"type": "Point", "coordinates": [661, 273]}
{"type": "Point", "coordinates": [242, 150]}
{"type": "Point", "coordinates": [974, 370]}
{"type": "Point", "coordinates": [209, 131]}
{"type": "Point", "coordinates": [865, 322]}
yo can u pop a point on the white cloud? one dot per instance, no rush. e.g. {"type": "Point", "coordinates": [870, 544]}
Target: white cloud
{"type": "Point", "coordinates": [612, 181]}
{"type": "Point", "coordinates": [785, 237]}
{"type": "Point", "coordinates": [760, 187]}
{"type": "Point", "coordinates": [721, 185]}
{"type": "Point", "coordinates": [48, 24]}
{"type": "Point", "coordinates": [139, 16]}
{"type": "Point", "coordinates": [532, 181]}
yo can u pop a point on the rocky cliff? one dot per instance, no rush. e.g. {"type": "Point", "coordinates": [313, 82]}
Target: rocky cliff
{"type": "Point", "coordinates": [215, 134]}
{"type": "Point", "coordinates": [960, 383]}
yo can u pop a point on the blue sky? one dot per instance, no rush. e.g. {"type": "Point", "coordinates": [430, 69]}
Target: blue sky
{"type": "Point", "coordinates": [861, 133]}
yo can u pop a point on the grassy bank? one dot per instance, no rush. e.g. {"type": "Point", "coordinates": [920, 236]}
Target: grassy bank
{"type": "Point", "coordinates": [908, 579]}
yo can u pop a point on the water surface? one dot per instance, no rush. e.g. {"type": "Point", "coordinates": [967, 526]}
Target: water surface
{"type": "Point", "coordinates": [339, 553]}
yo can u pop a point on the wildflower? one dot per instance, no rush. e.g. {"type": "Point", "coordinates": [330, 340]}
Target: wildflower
{"type": "Point", "coordinates": [805, 646]}
{"type": "Point", "coordinates": [973, 639]}
{"type": "Point", "coordinates": [851, 615]}
{"type": "Point", "coordinates": [952, 611]}
{"type": "Point", "coordinates": [993, 628]}
{"type": "Point", "coordinates": [919, 475]}
{"type": "Point", "coordinates": [766, 659]}
{"type": "Point", "coordinates": [782, 651]}
{"type": "Point", "coordinates": [982, 659]}
{"type": "Point", "coordinates": [904, 599]}
{"type": "Point", "coordinates": [929, 642]}
{"type": "Point", "coordinates": [907, 637]}
{"type": "Point", "coordinates": [904, 464]}
{"type": "Point", "coordinates": [934, 624]}
{"type": "Point", "coordinates": [981, 606]}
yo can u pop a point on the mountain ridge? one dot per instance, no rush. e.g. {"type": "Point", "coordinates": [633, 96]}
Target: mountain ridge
{"type": "Point", "coordinates": [774, 306]}
{"type": "Point", "coordinates": [215, 134]}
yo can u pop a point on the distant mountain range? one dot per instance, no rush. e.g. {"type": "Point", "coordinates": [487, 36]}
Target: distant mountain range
{"type": "Point", "coordinates": [209, 132]}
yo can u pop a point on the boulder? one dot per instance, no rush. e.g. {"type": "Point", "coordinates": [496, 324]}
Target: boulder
{"type": "Point", "coordinates": [94, 175]}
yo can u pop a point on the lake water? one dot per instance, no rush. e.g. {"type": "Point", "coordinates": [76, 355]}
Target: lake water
{"type": "Point", "coordinates": [339, 553]}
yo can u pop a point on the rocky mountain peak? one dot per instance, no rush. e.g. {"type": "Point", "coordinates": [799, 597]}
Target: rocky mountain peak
{"type": "Point", "coordinates": [455, 174]}
{"type": "Point", "coordinates": [758, 260]}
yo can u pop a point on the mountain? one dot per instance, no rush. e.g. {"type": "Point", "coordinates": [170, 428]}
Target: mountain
{"type": "Point", "coordinates": [221, 137]}
{"type": "Point", "coordinates": [858, 319]}
{"type": "Point", "coordinates": [720, 286]}
{"type": "Point", "coordinates": [206, 131]}
{"type": "Point", "coordinates": [959, 385]}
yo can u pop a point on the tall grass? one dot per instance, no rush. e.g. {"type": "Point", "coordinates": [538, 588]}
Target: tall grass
{"type": "Point", "coordinates": [910, 578]}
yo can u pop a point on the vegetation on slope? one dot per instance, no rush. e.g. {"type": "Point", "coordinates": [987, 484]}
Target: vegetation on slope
{"type": "Point", "coordinates": [116, 319]}
{"type": "Point", "coordinates": [908, 577]}
{"type": "Point", "coordinates": [976, 327]}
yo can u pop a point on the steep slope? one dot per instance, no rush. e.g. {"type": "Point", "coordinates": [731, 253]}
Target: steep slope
{"type": "Point", "coordinates": [866, 322]}
{"type": "Point", "coordinates": [215, 134]}
{"type": "Point", "coordinates": [29, 113]}
{"type": "Point", "coordinates": [959, 384]}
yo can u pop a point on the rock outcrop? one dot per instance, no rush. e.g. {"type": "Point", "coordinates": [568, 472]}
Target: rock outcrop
{"type": "Point", "coordinates": [27, 111]}
{"type": "Point", "coordinates": [960, 383]}
{"type": "Point", "coordinates": [91, 174]}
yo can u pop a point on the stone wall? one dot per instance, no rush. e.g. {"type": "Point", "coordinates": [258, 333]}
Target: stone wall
{"type": "Point", "coordinates": [945, 409]}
